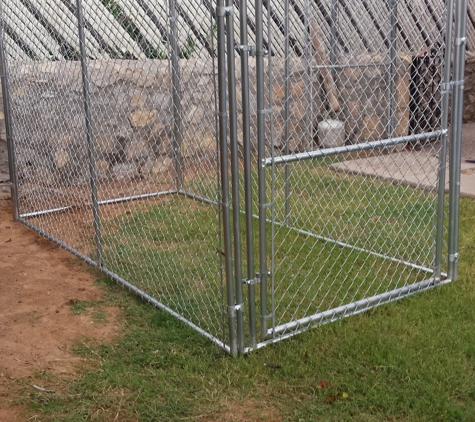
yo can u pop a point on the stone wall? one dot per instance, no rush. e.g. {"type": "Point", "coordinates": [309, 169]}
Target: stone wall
{"type": "Point", "coordinates": [469, 89]}
{"type": "Point", "coordinates": [133, 113]}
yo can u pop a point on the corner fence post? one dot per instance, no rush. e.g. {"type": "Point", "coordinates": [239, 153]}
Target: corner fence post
{"type": "Point", "coordinates": [8, 123]}
{"type": "Point", "coordinates": [223, 143]}
{"type": "Point", "coordinates": [89, 133]}
{"type": "Point", "coordinates": [456, 136]}
{"type": "Point", "coordinates": [246, 130]}
{"type": "Point", "coordinates": [445, 92]}
{"type": "Point", "coordinates": [235, 175]}
{"type": "Point", "coordinates": [176, 98]}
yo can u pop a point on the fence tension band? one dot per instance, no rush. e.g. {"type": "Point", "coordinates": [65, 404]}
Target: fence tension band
{"type": "Point", "coordinates": [265, 111]}
{"type": "Point", "coordinates": [232, 310]}
{"type": "Point", "coordinates": [224, 11]}
{"type": "Point", "coordinates": [446, 88]}
{"type": "Point", "coordinates": [454, 257]}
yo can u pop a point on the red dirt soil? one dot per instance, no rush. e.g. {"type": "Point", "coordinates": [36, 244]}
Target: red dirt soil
{"type": "Point", "coordinates": [38, 284]}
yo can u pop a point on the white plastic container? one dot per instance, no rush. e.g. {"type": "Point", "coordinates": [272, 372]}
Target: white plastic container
{"type": "Point", "coordinates": [331, 133]}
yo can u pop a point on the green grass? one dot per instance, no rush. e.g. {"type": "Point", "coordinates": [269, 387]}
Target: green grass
{"type": "Point", "coordinates": [409, 361]}
{"type": "Point", "coordinates": [173, 250]}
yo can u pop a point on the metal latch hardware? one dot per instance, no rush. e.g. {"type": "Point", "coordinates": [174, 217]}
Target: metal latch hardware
{"type": "Point", "coordinates": [232, 310]}
{"type": "Point", "coordinates": [454, 257]}
{"type": "Point", "coordinates": [251, 282]}
{"type": "Point", "coordinates": [250, 48]}
{"type": "Point", "coordinates": [224, 11]}
{"type": "Point", "coordinates": [445, 88]}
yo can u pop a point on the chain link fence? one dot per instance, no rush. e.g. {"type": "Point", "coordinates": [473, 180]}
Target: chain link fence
{"type": "Point", "coordinates": [253, 169]}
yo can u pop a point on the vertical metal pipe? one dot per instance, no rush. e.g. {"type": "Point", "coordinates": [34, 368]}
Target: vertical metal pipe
{"type": "Point", "coordinates": [235, 175]}
{"type": "Point", "coordinates": [176, 98]}
{"type": "Point", "coordinates": [217, 163]}
{"type": "Point", "coordinates": [223, 142]}
{"type": "Point", "coordinates": [456, 135]}
{"type": "Point", "coordinates": [89, 133]}
{"type": "Point", "coordinates": [8, 123]}
{"type": "Point", "coordinates": [287, 109]}
{"type": "Point", "coordinates": [443, 140]}
{"type": "Point", "coordinates": [261, 153]}
{"type": "Point", "coordinates": [246, 133]}
{"type": "Point", "coordinates": [272, 153]}
{"type": "Point", "coordinates": [392, 67]}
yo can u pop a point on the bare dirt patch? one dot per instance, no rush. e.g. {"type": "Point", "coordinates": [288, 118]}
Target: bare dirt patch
{"type": "Point", "coordinates": [248, 410]}
{"type": "Point", "coordinates": [38, 284]}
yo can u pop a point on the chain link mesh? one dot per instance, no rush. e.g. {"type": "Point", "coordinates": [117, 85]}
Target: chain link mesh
{"type": "Point", "coordinates": [118, 151]}
{"type": "Point", "coordinates": [349, 227]}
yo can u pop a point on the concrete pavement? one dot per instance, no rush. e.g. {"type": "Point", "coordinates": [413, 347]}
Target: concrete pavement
{"type": "Point", "coordinates": [414, 168]}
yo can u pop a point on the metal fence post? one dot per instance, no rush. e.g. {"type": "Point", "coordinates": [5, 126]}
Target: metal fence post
{"type": "Point", "coordinates": [261, 153]}
{"type": "Point", "coordinates": [8, 123]}
{"type": "Point", "coordinates": [456, 136]}
{"type": "Point", "coordinates": [223, 142]}
{"type": "Point", "coordinates": [443, 140]}
{"type": "Point", "coordinates": [177, 136]}
{"type": "Point", "coordinates": [246, 129]}
{"type": "Point", "coordinates": [235, 174]}
{"type": "Point", "coordinates": [89, 133]}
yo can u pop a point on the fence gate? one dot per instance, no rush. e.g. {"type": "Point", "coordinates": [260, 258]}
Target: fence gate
{"type": "Point", "coordinates": [253, 169]}
{"type": "Point", "coordinates": [355, 191]}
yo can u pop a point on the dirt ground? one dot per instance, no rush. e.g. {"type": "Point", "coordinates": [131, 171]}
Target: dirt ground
{"type": "Point", "coordinates": [38, 284]}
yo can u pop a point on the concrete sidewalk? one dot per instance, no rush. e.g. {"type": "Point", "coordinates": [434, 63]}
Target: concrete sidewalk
{"type": "Point", "coordinates": [413, 168]}
{"type": "Point", "coordinates": [416, 168]}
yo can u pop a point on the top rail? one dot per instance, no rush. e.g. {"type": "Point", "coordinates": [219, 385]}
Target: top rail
{"type": "Point", "coordinates": [310, 155]}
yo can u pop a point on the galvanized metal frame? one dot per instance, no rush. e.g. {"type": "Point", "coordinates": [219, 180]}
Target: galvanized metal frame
{"type": "Point", "coordinates": [227, 118]}
{"type": "Point", "coordinates": [89, 132]}
{"type": "Point", "coordinates": [460, 42]}
{"type": "Point", "coordinates": [8, 122]}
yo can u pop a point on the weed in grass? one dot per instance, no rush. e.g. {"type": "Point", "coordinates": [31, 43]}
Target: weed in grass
{"type": "Point", "coordinates": [81, 306]}
{"type": "Point", "coordinates": [99, 317]}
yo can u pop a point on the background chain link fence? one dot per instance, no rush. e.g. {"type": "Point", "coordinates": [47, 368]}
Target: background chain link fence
{"type": "Point", "coordinates": [252, 168]}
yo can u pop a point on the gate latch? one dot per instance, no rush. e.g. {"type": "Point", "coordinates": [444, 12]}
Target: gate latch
{"type": "Point", "coordinates": [256, 280]}
{"type": "Point", "coordinates": [250, 48]}
{"type": "Point", "coordinates": [252, 281]}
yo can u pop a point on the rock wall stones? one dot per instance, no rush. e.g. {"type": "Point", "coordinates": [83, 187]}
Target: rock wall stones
{"type": "Point", "coordinates": [133, 114]}
{"type": "Point", "coordinates": [469, 89]}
